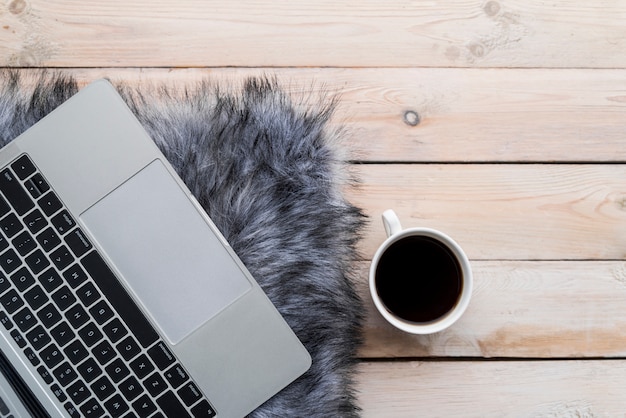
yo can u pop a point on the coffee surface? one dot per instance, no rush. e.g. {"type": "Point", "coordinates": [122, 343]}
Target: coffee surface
{"type": "Point", "coordinates": [418, 279]}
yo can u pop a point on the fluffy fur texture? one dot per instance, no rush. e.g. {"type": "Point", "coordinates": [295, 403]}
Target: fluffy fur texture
{"type": "Point", "coordinates": [265, 167]}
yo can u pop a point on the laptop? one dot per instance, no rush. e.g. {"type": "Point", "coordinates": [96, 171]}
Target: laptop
{"type": "Point", "coordinates": [118, 295]}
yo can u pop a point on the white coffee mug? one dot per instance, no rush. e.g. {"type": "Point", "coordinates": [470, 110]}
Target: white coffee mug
{"type": "Point", "coordinates": [420, 279]}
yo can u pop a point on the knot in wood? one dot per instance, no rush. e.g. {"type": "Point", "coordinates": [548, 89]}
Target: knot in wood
{"type": "Point", "coordinates": [17, 6]}
{"type": "Point", "coordinates": [491, 8]}
{"type": "Point", "coordinates": [411, 118]}
{"type": "Point", "coordinates": [477, 50]}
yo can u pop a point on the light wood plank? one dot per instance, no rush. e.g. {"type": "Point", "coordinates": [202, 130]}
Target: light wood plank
{"type": "Point", "coordinates": [493, 389]}
{"type": "Point", "coordinates": [465, 114]}
{"type": "Point", "coordinates": [495, 211]}
{"type": "Point", "coordinates": [475, 33]}
{"type": "Point", "coordinates": [519, 309]}
{"type": "Point", "coordinates": [516, 212]}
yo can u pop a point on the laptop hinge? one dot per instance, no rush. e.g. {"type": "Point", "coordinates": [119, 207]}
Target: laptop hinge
{"type": "Point", "coordinates": [29, 400]}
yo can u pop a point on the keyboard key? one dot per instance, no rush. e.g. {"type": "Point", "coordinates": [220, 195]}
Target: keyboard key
{"type": "Point", "coordinates": [76, 352]}
{"type": "Point", "coordinates": [89, 370]}
{"type": "Point", "coordinates": [5, 284]}
{"type": "Point", "coordinates": [78, 392]}
{"type": "Point", "coordinates": [45, 374]}
{"type": "Point", "coordinates": [161, 355]}
{"type": "Point", "coordinates": [5, 321]}
{"type": "Point", "coordinates": [117, 370]}
{"type": "Point", "coordinates": [31, 356]}
{"type": "Point", "coordinates": [4, 243]}
{"type": "Point", "coordinates": [25, 319]}
{"type": "Point", "coordinates": [176, 376]}
{"type": "Point", "coordinates": [37, 261]}
{"type": "Point", "coordinates": [154, 384]}
{"type": "Point", "coordinates": [116, 406]}
{"type": "Point", "coordinates": [4, 207]}
{"type": "Point", "coordinates": [50, 279]}
{"type": "Point", "coordinates": [58, 392]}
{"type": "Point", "coordinates": [49, 203]}
{"type": "Point", "coordinates": [49, 315]}
{"type": "Point", "coordinates": [18, 338]}
{"type": "Point", "coordinates": [4, 409]}
{"type": "Point", "coordinates": [23, 167]}
{"type": "Point", "coordinates": [10, 225]}
{"type": "Point", "coordinates": [9, 261]}
{"type": "Point", "coordinates": [62, 334]}
{"type": "Point", "coordinates": [24, 243]}
{"type": "Point", "coordinates": [131, 388]}
{"type": "Point", "coordinates": [65, 374]}
{"type": "Point", "coordinates": [104, 352]}
{"type": "Point", "coordinates": [115, 330]}
{"type": "Point", "coordinates": [22, 279]}
{"type": "Point", "coordinates": [90, 334]}
{"type": "Point", "coordinates": [35, 221]}
{"type": "Point", "coordinates": [101, 312]}
{"type": "Point", "coordinates": [189, 393]}
{"type": "Point", "coordinates": [75, 276]}
{"type": "Point", "coordinates": [172, 407]}
{"type": "Point", "coordinates": [78, 242]}
{"type": "Point", "coordinates": [36, 297]}
{"type": "Point", "coordinates": [14, 192]}
{"type": "Point", "coordinates": [142, 366]}
{"type": "Point", "coordinates": [144, 406]}
{"type": "Point", "coordinates": [203, 410]}
{"type": "Point", "coordinates": [48, 239]}
{"type": "Point", "coordinates": [92, 409]}
{"type": "Point", "coordinates": [31, 187]}
{"type": "Point", "coordinates": [64, 298]}
{"type": "Point", "coordinates": [77, 316]}
{"type": "Point", "coordinates": [71, 410]}
{"type": "Point", "coordinates": [102, 388]}
{"type": "Point", "coordinates": [38, 337]}
{"type": "Point", "coordinates": [63, 222]}
{"type": "Point", "coordinates": [11, 301]}
{"type": "Point", "coordinates": [51, 356]}
{"type": "Point", "coordinates": [119, 298]}
{"type": "Point", "coordinates": [41, 183]}
{"type": "Point", "coordinates": [88, 294]}
{"type": "Point", "coordinates": [62, 257]}
{"type": "Point", "coordinates": [128, 348]}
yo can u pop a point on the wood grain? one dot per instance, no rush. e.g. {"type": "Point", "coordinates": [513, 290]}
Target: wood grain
{"type": "Point", "coordinates": [493, 389]}
{"type": "Point", "coordinates": [477, 82]}
{"type": "Point", "coordinates": [519, 309]}
{"type": "Point", "coordinates": [396, 33]}
{"type": "Point", "coordinates": [465, 115]}
{"type": "Point", "coordinates": [511, 212]}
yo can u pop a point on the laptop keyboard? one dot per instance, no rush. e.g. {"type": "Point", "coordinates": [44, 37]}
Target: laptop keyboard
{"type": "Point", "coordinates": [73, 320]}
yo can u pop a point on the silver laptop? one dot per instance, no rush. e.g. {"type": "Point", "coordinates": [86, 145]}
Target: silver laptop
{"type": "Point", "coordinates": [118, 295]}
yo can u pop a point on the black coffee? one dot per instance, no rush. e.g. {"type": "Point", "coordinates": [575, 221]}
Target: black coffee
{"type": "Point", "coordinates": [418, 279]}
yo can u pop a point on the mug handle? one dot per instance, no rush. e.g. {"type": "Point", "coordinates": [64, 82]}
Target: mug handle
{"type": "Point", "coordinates": [391, 222]}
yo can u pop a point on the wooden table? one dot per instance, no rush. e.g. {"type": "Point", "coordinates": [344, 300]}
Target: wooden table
{"type": "Point", "coordinates": [502, 123]}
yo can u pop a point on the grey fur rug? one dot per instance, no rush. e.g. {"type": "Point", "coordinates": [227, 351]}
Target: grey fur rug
{"type": "Point", "coordinates": [266, 168]}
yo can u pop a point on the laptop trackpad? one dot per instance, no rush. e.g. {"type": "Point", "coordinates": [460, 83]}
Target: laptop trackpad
{"type": "Point", "coordinates": [166, 252]}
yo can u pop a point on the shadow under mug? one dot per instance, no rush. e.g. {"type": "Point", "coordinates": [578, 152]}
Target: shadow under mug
{"type": "Point", "coordinates": [420, 279]}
